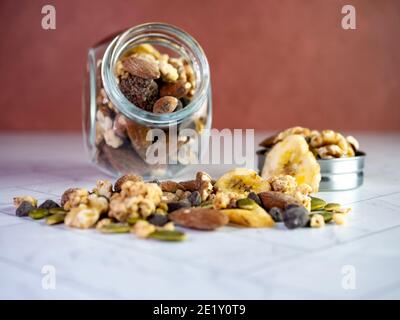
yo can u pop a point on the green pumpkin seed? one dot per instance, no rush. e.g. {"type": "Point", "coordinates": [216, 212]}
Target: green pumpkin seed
{"type": "Point", "coordinates": [317, 203]}
{"type": "Point", "coordinates": [39, 213]}
{"type": "Point", "coordinates": [332, 207]}
{"type": "Point", "coordinates": [55, 219]}
{"type": "Point", "coordinates": [57, 211]}
{"type": "Point", "coordinates": [168, 235]}
{"type": "Point", "coordinates": [115, 228]}
{"type": "Point", "coordinates": [246, 203]}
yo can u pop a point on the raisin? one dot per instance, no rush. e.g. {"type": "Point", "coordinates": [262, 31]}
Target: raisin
{"type": "Point", "coordinates": [195, 198]}
{"type": "Point", "coordinates": [276, 214]}
{"type": "Point", "coordinates": [158, 219]}
{"type": "Point", "coordinates": [253, 196]}
{"type": "Point", "coordinates": [24, 208]}
{"type": "Point", "coordinates": [141, 92]}
{"type": "Point", "coordinates": [48, 204]}
{"type": "Point", "coordinates": [295, 216]}
{"type": "Point", "coordinates": [176, 205]}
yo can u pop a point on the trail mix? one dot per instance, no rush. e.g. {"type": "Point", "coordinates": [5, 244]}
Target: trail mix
{"type": "Point", "coordinates": [325, 144]}
{"type": "Point", "coordinates": [152, 81]}
{"type": "Point", "coordinates": [152, 209]}
{"type": "Point", "coordinates": [295, 152]}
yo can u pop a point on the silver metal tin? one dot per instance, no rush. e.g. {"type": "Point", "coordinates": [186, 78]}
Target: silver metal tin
{"type": "Point", "coordinates": [342, 173]}
{"type": "Point", "coordinates": [337, 174]}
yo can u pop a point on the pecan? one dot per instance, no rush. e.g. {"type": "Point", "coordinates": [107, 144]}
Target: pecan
{"type": "Point", "coordinates": [141, 68]}
{"type": "Point", "coordinates": [199, 218]}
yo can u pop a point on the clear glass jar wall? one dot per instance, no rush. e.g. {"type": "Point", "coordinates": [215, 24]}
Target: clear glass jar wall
{"type": "Point", "coordinates": [122, 137]}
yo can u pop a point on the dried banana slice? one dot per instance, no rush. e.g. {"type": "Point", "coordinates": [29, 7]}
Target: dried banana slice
{"type": "Point", "coordinates": [241, 181]}
{"type": "Point", "coordinates": [292, 156]}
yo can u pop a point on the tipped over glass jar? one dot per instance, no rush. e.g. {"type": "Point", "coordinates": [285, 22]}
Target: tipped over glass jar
{"type": "Point", "coordinates": [147, 102]}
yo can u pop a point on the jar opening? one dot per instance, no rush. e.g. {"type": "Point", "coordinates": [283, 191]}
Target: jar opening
{"type": "Point", "coordinates": [175, 40]}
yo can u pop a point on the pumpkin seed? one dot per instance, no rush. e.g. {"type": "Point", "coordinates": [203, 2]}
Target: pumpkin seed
{"type": "Point", "coordinates": [317, 204]}
{"type": "Point", "coordinates": [168, 235]}
{"type": "Point", "coordinates": [39, 214]}
{"type": "Point", "coordinates": [55, 219]}
{"type": "Point", "coordinates": [115, 228]}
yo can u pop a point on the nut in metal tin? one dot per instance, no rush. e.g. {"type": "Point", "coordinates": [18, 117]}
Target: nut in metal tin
{"type": "Point", "coordinates": [336, 174]}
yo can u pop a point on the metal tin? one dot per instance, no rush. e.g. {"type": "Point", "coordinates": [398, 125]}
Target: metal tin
{"type": "Point", "coordinates": [337, 174]}
{"type": "Point", "coordinates": [342, 173]}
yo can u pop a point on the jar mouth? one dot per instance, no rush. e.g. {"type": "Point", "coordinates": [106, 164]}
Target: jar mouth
{"type": "Point", "coordinates": [174, 39]}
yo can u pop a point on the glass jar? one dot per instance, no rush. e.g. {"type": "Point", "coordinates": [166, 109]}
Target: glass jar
{"type": "Point", "coordinates": [121, 137]}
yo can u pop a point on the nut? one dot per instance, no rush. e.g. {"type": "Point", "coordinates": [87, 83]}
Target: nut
{"type": "Point", "coordinates": [189, 185]}
{"type": "Point", "coordinates": [141, 68]}
{"type": "Point", "coordinates": [329, 151]}
{"type": "Point", "coordinates": [112, 139]}
{"type": "Point", "coordinates": [165, 104]}
{"type": "Point", "coordinates": [138, 137]}
{"type": "Point", "coordinates": [353, 142]}
{"type": "Point", "coordinates": [168, 72]}
{"type": "Point", "coordinates": [171, 186]}
{"type": "Point", "coordinates": [127, 177]}
{"type": "Point", "coordinates": [199, 218]}
{"type": "Point", "coordinates": [204, 185]}
{"type": "Point", "coordinates": [176, 89]}
{"type": "Point", "coordinates": [119, 125]}
{"type": "Point", "coordinates": [272, 199]}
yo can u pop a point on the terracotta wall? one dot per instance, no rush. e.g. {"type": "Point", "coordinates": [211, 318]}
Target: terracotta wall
{"type": "Point", "coordinates": [274, 63]}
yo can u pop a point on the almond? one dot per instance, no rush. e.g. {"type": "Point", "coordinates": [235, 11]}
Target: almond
{"type": "Point", "coordinates": [165, 104]}
{"type": "Point", "coordinates": [199, 218]}
{"type": "Point", "coordinates": [171, 186]}
{"type": "Point", "coordinates": [276, 199]}
{"type": "Point", "coordinates": [268, 142]}
{"type": "Point", "coordinates": [189, 185]}
{"type": "Point", "coordinates": [141, 68]}
{"type": "Point", "coordinates": [175, 89]}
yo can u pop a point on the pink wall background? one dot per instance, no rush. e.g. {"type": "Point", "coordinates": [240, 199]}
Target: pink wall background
{"type": "Point", "coordinates": [274, 63]}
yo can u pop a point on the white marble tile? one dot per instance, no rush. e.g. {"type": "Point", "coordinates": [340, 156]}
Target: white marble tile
{"type": "Point", "coordinates": [375, 260]}
{"type": "Point", "coordinates": [304, 238]}
{"type": "Point", "coordinates": [227, 264]}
